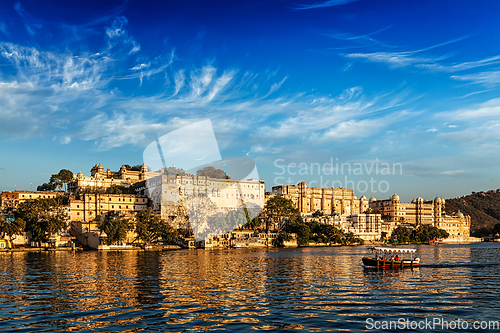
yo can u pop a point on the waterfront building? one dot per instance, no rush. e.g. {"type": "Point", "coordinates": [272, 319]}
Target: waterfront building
{"type": "Point", "coordinates": [420, 212]}
{"type": "Point", "coordinates": [32, 195]}
{"type": "Point", "coordinates": [330, 201]}
{"type": "Point", "coordinates": [168, 193]}
{"type": "Point", "coordinates": [12, 200]}
{"type": "Point", "coordinates": [365, 226]}
{"type": "Point", "coordinates": [244, 238]}
{"type": "Point", "coordinates": [85, 209]}
{"type": "Point", "coordinates": [88, 206]}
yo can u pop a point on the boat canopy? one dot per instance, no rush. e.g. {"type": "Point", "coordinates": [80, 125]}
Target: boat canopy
{"type": "Point", "coordinates": [377, 249]}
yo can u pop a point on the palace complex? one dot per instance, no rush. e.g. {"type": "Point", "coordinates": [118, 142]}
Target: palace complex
{"type": "Point", "coordinates": [330, 201]}
{"type": "Point", "coordinates": [421, 211]}
{"type": "Point", "coordinates": [175, 197]}
{"type": "Point", "coordinates": [343, 209]}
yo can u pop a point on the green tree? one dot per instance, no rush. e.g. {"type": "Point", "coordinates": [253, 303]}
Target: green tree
{"type": "Point", "coordinates": [278, 211]}
{"type": "Point", "coordinates": [425, 233]}
{"type": "Point", "coordinates": [302, 231]}
{"type": "Point", "coordinates": [13, 228]}
{"type": "Point", "coordinates": [150, 227]}
{"type": "Point", "coordinates": [496, 229]}
{"type": "Point", "coordinates": [175, 171]}
{"type": "Point", "coordinates": [281, 238]}
{"type": "Point", "coordinates": [241, 217]}
{"type": "Point", "coordinates": [43, 217]}
{"type": "Point", "coordinates": [116, 228]}
{"type": "Point", "coordinates": [212, 172]}
{"type": "Point", "coordinates": [401, 234]}
{"type": "Point", "coordinates": [253, 224]}
{"type": "Point", "coordinates": [57, 181]}
{"type": "Point", "coordinates": [317, 213]}
{"type": "Point", "coordinates": [46, 187]}
{"type": "Point", "coordinates": [137, 167]}
{"type": "Point", "coordinates": [118, 189]}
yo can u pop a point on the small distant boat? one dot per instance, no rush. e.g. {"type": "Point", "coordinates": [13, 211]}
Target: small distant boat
{"type": "Point", "coordinates": [389, 257]}
{"type": "Point", "coordinates": [433, 242]}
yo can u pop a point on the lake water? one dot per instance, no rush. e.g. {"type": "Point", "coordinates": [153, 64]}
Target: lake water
{"type": "Point", "coordinates": [303, 289]}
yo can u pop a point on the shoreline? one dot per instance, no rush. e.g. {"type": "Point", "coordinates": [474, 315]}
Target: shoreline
{"type": "Point", "coordinates": [106, 248]}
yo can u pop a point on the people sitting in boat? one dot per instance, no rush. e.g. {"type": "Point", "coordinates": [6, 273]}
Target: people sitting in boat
{"type": "Point", "coordinates": [397, 258]}
{"type": "Point", "coordinates": [392, 257]}
{"type": "Point", "coordinates": [385, 257]}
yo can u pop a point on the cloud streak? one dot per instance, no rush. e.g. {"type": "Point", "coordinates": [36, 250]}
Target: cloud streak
{"type": "Point", "coordinates": [325, 4]}
{"type": "Point", "coordinates": [489, 78]}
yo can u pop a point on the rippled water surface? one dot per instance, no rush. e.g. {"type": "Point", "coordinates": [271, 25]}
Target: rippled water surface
{"type": "Point", "coordinates": [306, 289]}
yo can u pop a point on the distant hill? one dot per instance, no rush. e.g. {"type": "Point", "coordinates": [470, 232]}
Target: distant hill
{"type": "Point", "coordinates": [483, 208]}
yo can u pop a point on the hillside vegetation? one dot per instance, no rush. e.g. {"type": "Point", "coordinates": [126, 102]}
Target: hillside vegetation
{"type": "Point", "coordinates": [483, 208]}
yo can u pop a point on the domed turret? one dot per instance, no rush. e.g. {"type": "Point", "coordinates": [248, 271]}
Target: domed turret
{"type": "Point", "coordinates": [413, 201]}
{"type": "Point", "coordinates": [442, 200]}
{"type": "Point", "coordinates": [79, 175]}
{"type": "Point", "coordinates": [460, 214]}
{"type": "Point", "coordinates": [419, 199]}
{"type": "Point", "coordinates": [372, 199]}
{"type": "Point", "coordinates": [395, 197]}
{"type": "Point", "coordinates": [437, 199]}
{"type": "Point", "coordinates": [362, 198]}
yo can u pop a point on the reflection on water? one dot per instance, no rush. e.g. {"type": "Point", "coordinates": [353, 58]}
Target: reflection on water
{"type": "Point", "coordinates": [309, 289]}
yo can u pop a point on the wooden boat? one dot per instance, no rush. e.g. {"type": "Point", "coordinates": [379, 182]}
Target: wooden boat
{"type": "Point", "coordinates": [433, 242]}
{"type": "Point", "coordinates": [391, 257]}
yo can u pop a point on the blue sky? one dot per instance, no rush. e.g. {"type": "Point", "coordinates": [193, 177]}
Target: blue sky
{"type": "Point", "coordinates": [410, 83]}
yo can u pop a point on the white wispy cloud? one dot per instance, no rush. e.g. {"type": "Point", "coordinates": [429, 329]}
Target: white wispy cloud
{"type": "Point", "coordinates": [421, 58]}
{"type": "Point", "coordinates": [19, 9]}
{"type": "Point", "coordinates": [266, 150]}
{"type": "Point", "coordinates": [74, 96]}
{"type": "Point", "coordinates": [179, 79]}
{"type": "Point", "coordinates": [398, 59]}
{"type": "Point", "coordinates": [335, 118]}
{"type": "Point", "coordinates": [354, 129]}
{"type": "Point", "coordinates": [3, 28]}
{"type": "Point", "coordinates": [65, 140]}
{"type": "Point", "coordinates": [489, 78]}
{"type": "Point", "coordinates": [475, 113]}
{"type": "Point", "coordinates": [329, 3]}
{"type": "Point", "coordinates": [454, 173]}
{"type": "Point", "coordinates": [463, 65]}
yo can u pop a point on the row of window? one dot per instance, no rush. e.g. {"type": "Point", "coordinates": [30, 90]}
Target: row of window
{"type": "Point", "coordinates": [120, 199]}
{"type": "Point", "coordinates": [40, 196]}
{"type": "Point", "coordinates": [112, 207]}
